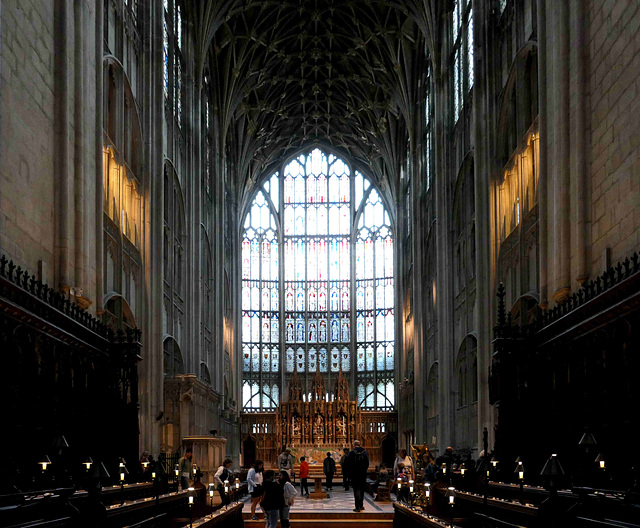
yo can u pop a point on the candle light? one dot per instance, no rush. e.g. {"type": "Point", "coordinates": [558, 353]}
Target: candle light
{"type": "Point", "coordinates": [153, 475]}
{"type": "Point", "coordinates": [411, 486]}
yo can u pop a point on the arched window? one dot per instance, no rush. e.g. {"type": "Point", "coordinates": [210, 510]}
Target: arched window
{"type": "Point", "coordinates": [173, 60]}
{"type": "Point", "coordinates": [173, 364]}
{"type": "Point", "coordinates": [461, 53]}
{"type": "Point", "coordinates": [123, 191]}
{"type": "Point", "coordinates": [174, 254]}
{"type": "Point", "coordinates": [317, 250]}
{"type": "Point", "coordinates": [432, 392]}
{"type": "Point", "coordinates": [467, 372]}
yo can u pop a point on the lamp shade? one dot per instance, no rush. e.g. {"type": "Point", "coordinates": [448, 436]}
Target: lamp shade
{"type": "Point", "coordinates": [451, 496]}
{"type": "Point", "coordinates": [588, 440]}
{"type": "Point", "coordinates": [45, 462]}
{"type": "Point", "coordinates": [552, 467]}
{"type": "Point", "coordinates": [60, 442]}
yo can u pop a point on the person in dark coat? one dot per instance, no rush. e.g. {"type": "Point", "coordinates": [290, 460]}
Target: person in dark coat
{"type": "Point", "coordinates": [329, 467]}
{"type": "Point", "coordinates": [357, 465]}
{"type": "Point", "coordinates": [345, 477]}
{"type": "Point", "coordinates": [272, 498]}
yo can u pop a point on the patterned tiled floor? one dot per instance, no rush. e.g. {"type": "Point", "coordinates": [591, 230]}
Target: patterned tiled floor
{"type": "Point", "coordinates": [338, 501]}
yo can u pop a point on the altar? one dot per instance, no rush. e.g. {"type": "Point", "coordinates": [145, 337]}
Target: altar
{"type": "Point", "coordinates": [312, 423]}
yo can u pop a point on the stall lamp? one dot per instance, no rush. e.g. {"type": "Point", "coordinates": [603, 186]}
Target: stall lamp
{"type": "Point", "coordinates": [195, 470]}
{"type": "Point", "coordinates": [451, 493]}
{"type": "Point", "coordinates": [411, 486]}
{"type": "Point", "coordinates": [427, 490]}
{"type": "Point", "coordinates": [521, 474]}
{"type": "Point", "coordinates": [145, 464]}
{"type": "Point", "coordinates": [45, 462]}
{"type": "Point", "coordinates": [226, 486]}
{"type": "Point", "coordinates": [600, 461]}
{"type": "Point", "coordinates": [153, 475]}
{"type": "Point", "coordinates": [177, 470]}
{"type": "Point", "coordinates": [237, 484]}
{"type": "Point", "coordinates": [122, 462]}
{"type": "Point", "coordinates": [462, 469]}
{"type": "Point", "coordinates": [191, 490]}
{"type": "Point", "coordinates": [399, 482]}
{"type": "Point", "coordinates": [87, 463]}
{"type": "Point", "coordinates": [494, 462]}
{"type": "Point", "coordinates": [444, 468]}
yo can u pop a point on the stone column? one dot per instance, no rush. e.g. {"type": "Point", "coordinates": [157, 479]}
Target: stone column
{"type": "Point", "coordinates": [561, 165]}
{"type": "Point", "coordinates": [580, 184]}
{"type": "Point", "coordinates": [484, 143]}
{"type": "Point", "coordinates": [543, 142]}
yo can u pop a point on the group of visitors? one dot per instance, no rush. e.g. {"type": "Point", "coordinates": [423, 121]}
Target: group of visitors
{"type": "Point", "coordinates": [275, 493]}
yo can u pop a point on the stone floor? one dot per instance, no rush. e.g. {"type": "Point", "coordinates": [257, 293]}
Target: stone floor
{"type": "Point", "coordinates": [337, 501]}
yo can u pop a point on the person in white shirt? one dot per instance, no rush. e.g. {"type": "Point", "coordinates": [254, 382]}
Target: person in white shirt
{"type": "Point", "coordinates": [254, 484]}
{"type": "Point", "coordinates": [406, 460]}
{"type": "Point", "coordinates": [221, 475]}
{"type": "Point", "coordinates": [289, 496]}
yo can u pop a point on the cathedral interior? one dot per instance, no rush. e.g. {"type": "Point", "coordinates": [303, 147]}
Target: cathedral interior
{"type": "Point", "coordinates": [246, 225]}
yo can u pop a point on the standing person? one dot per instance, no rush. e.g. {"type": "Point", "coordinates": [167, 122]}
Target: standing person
{"type": "Point", "coordinates": [304, 474]}
{"type": "Point", "coordinates": [254, 485]}
{"type": "Point", "coordinates": [186, 465]}
{"type": "Point", "coordinates": [289, 496]}
{"type": "Point", "coordinates": [221, 475]}
{"type": "Point", "coordinates": [272, 499]}
{"type": "Point", "coordinates": [285, 461]}
{"type": "Point", "coordinates": [329, 468]}
{"type": "Point", "coordinates": [402, 489]}
{"type": "Point", "coordinates": [406, 460]}
{"type": "Point", "coordinates": [345, 475]}
{"type": "Point", "coordinates": [357, 466]}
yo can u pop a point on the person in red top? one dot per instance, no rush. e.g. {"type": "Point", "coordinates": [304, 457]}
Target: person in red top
{"type": "Point", "coordinates": [304, 474]}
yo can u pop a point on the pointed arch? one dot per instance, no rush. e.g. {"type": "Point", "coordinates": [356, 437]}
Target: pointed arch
{"type": "Point", "coordinates": [321, 219]}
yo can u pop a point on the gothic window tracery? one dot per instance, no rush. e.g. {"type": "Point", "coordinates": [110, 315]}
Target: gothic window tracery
{"type": "Point", "coordinates": [461, 54]}
{"type": "Point", "coordinates": [122, 188]}
{"type": "Point", "coordinates": [173, 65]}
{"type": "Point", "coordinates": [332, 221]}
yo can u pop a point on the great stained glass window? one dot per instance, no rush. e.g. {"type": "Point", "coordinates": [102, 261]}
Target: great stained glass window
{"type": "Point", "coordinates": [317, 235]}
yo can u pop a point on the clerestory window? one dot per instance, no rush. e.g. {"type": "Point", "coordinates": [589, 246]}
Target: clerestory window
{"type": "Point", "coordinates": [317, 261]}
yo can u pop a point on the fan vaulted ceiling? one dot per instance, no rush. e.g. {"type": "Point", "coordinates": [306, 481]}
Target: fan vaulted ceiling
{"type": "Point", "coordinates": [283, 74]}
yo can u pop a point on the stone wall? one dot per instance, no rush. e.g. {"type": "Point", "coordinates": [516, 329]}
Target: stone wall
{"type": "Point", "coordinates": [26, 134]}
{"type": "Point", "coordinates": [614, 81]}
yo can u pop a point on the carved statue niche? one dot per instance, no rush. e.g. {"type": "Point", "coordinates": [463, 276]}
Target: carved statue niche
{"type": "Point", "coordinates": [318, 390]}
{"type": "Point", "coordinates": [318, 426]}
{"type": "Point", "coordinates": [295, 388]}
{"type": "Point", "coordinates": [342, 387]}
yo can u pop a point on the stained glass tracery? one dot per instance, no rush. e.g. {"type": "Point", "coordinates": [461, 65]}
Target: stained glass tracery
{"type": "Point", "coordinates": [333, 221]}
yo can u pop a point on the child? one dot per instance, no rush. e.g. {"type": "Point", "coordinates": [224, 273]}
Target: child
{"type": "Point", "coordinates": [304, 474]}
{"type": "Point", "coordinates": [272, 499]}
